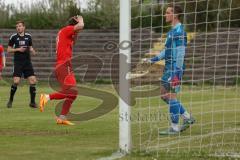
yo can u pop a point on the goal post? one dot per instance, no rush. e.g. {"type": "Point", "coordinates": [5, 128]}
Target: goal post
{"type": "Point", "coordinates": [210, 85]}
{"type": "Point", "coordinates": [124, 85]}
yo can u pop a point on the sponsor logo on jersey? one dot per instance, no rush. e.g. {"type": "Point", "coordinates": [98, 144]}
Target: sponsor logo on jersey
{"type": "Point", "coordinates": [21, 43]}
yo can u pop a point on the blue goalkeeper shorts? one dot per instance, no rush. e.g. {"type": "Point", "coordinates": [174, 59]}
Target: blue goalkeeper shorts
{"type": "Point", "coordinates": [166, 82]}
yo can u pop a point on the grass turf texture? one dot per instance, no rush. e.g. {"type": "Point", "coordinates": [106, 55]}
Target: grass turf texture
{"type": "Point", "coordinates": [26, 133]}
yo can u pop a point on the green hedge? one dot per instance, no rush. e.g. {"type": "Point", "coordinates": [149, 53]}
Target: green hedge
{"type": "Point", "coordinates": [101, 14]}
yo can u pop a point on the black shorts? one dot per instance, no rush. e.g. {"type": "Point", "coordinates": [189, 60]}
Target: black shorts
{"type": "Point", "coordinates": [23, 69]}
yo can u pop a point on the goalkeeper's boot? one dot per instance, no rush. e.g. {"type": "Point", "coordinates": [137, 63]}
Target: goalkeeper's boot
{"type": "Point", "coordinates": [61, 121]}
{"type": "Point", "coordinates": [169, 131]}
{"type": "Point", "coordinates": [42, 102]}
{"type": "Point", "coordinates": [186, 123]}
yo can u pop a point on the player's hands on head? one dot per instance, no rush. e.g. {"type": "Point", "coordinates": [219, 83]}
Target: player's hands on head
{"type": "Point", "coordinates": [80, 20]}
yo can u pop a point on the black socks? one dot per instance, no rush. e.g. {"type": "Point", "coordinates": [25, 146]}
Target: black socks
{"type": "Point", "coordinates": [32, 90]}
{"type": "Point", "coordinates": [13, 91]}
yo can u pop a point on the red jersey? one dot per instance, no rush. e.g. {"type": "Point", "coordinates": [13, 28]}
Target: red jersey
{"type": "Point", "coordinates": [64, 43]}
{"type": "Point", "coordinates": [1, 55]}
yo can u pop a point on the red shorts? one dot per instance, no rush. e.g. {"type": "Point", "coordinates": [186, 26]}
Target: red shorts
{"type": "Point", "coordinates": [65, 76]}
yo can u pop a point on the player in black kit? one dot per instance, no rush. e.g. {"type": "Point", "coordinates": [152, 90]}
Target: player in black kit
{"type": "Point", "coordinates": [20, 44]}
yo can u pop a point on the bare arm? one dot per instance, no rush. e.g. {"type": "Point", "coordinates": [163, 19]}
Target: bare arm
{"type": "Point", "coordinates": [79, 26]}
{"type": "Point", "coordinates": [32, 50]}
{"type": "Point", "coordinates": [4, 61]}
{"type": "Point", "coordinates": [13, 50]}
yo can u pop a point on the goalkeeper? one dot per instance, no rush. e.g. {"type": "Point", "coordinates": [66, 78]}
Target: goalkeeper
{"type": "Point", "coordinates": [174, 52]}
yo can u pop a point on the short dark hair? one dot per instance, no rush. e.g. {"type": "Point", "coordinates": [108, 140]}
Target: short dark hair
{"type": "Point", "coordinates": [72, 21]}
{"type": "Point", "coordinates": [177, 9]}
{"type": "Point", "coordinates": [20, 21]}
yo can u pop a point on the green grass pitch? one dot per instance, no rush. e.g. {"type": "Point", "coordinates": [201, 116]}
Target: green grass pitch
{"type": "Point", "coordinates": [26, 133]}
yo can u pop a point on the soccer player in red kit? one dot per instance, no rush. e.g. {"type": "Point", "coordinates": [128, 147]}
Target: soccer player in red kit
{"type": "Point", "coordinates": [2, 60]}
{"type": "Point", "coordinates": [63, 69]}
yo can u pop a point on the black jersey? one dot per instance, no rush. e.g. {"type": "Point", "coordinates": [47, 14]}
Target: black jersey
{"type": "Point", "coordinates": [17, 41]}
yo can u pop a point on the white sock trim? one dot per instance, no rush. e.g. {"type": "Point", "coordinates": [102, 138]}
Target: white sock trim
{"type": "Point", "coordinates": [185, 115]}
{"type": "Point", "coordinates": [175, 127]}
{"type": "Point", "coordinates": [62, 117]}
{"type": "Point", "coordinates": [47, 97]}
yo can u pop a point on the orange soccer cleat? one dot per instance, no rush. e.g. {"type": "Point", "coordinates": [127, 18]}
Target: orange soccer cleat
{"type": "Point", "coordinates": [42, 102]}
{"type": "Point", "coordinates": [64, 121]}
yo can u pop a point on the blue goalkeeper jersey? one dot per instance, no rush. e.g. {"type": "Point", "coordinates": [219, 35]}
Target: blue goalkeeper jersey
{"type": "Point", "coordinates": [174, 52]}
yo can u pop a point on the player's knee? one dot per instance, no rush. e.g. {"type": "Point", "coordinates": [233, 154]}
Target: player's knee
{"type": "Point", "coordinates": [16, 82]}
{"type": "Point", "coordinates": [165, 99]}
{"type": "Point", "coordinates": [32, 81]}
{"type": "Point", "coordinates": [165, 96]}
{"type": "Point", "coordinates": [72, 97]}
{"type": "Point", "coordinates": [72, 93]}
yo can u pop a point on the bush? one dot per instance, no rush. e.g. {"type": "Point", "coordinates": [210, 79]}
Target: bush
{"type": "Point", "coordinates": [203, 15]}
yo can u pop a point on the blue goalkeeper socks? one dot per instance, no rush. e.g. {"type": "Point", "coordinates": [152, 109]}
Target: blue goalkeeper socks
{"type": "Point", "coordinates": [182, 109]}
{"type": "Point", "coordinates": [176, 109]}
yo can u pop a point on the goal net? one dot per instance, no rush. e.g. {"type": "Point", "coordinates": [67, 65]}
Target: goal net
{"type": "Point", "coordinates": [210, 88]}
